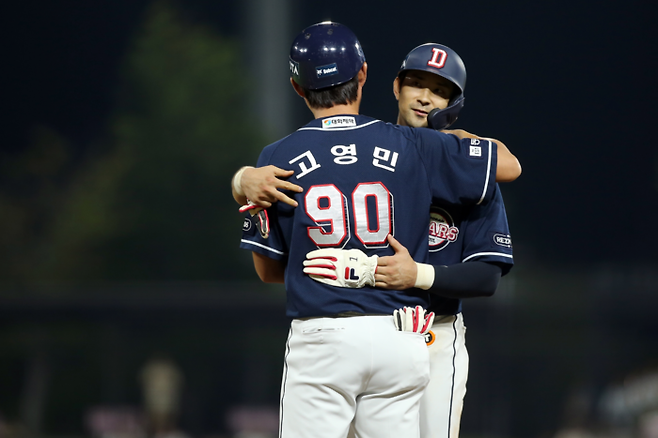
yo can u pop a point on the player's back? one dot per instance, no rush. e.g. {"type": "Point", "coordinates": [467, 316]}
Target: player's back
{"type": "Point", "coordinates": [363, 179]}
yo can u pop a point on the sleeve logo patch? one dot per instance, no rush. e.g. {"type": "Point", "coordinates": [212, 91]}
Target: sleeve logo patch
{"type": "Point", "coordinates": [338, 122]}
{"type": "Point", "coordinates": [475, 151]}
{"type": "Point", "coordinates": [503, 240]}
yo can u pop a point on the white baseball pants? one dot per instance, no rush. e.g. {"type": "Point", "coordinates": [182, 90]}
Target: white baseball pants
{"type": "Point", "coordinates": [356, 369]}
{"type": "Point", "coordinates": [443, 401]}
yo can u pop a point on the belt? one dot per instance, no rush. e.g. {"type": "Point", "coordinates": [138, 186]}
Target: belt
{"type": "Point", "coordinates": [345, 315]}
{"type": "Point", "coordinates": [350, 314]}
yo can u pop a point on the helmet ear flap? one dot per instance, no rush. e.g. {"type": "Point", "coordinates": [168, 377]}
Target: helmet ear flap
{"type": "Point", "coordinates": [442, 118]}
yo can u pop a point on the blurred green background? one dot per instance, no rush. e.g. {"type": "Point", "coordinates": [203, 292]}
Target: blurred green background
{"type": "Point", "coordinates": [119, 242]}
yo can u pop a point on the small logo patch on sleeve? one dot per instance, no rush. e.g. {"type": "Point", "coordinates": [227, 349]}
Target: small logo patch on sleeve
{"type": "Point", "coordinates": [475, 151]}
{"type": "Point", "coordinates": [503, 240]}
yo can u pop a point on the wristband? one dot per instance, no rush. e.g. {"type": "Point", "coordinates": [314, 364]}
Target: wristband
{"type": "Point", "coordinates": [237, 185]}
{"type": "Point", "coordinates": [424, 276]}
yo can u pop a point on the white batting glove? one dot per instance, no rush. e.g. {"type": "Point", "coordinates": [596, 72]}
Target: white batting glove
{"type": "Point", "coordinates": [262, 221]}
{"type": "Point", "coordinates": [350, 268]}
{"type": "Point", "coordinates": [412, 319]}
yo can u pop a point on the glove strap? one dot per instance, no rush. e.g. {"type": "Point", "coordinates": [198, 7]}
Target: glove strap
{"type": "Point", "coordinates": [251, 207]}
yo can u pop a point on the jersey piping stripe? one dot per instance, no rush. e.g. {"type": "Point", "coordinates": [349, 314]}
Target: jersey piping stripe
{"type": "Point", "coordinates": [312, 128]}
{"type": "Point", "coordinates": [260, 245]}
{"type": "Point", "coordinates": [285, 379]}
{"type": "Point", "coordinates": [500, 254]}
{"type": "Point", "coordinates": [486, 181]}
{"type": "Point", "coordinates": [454, 371]}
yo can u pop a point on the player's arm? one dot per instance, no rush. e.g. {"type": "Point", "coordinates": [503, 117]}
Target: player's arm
{"type": "Point", "coordinates": [263, 185]}
{"type": "Point", "coordinates": [463, 280]}
{"type": "Point", "coordinates": [509, 167]}
{"type": "Point", "coordinates": [269, 270]}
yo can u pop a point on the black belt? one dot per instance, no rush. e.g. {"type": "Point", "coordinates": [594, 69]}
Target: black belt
{"type": "Point", "coordinates": [351, 314]}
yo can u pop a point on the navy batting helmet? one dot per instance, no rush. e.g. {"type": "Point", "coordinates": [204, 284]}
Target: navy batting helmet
{"type": "Point", "coordinates": [324, 55]}
{"type": "Point", "coordinates": [445, 62]}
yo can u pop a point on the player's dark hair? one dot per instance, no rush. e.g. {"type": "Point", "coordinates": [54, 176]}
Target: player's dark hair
{"type": "Point", "coordinates": [342, 94]}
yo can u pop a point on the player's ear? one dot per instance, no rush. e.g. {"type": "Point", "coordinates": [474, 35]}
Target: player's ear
{"type": "Point", "coordinates": [396, 88]}
{"type": "Point", "coordinates": [297, 88]}
{"type": "Point", "coordinates": [363, 74]}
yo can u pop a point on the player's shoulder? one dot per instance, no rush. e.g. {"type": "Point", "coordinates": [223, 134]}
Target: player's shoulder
{"type": "Point", "coordinates": [273, 146]}
{"type": "Point", "coordinates": [269, 151]}
{"type": "Point", "coordinates": [430, 141]}
{"type": "Point", "coordinates": [432, 135]}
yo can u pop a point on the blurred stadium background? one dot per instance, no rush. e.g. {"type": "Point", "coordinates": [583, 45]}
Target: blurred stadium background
{"type": "Point", "coordinates": [121, 277]}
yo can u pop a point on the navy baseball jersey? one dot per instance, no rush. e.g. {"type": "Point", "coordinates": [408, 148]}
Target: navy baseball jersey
{"type": "Point", "coordinates": [468, 233]}
{"type": "Point", "coordinates": [364, 179]}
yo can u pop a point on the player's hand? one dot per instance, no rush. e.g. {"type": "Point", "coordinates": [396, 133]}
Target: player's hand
{"type": "Point", "coordinates": [397, 271]}
{"type": "Point", "coordinates": [263, 185]}
{"type": "Point", "coordinates": [413, 319]}
{"type": "Point", "coordinates": [350, 268]}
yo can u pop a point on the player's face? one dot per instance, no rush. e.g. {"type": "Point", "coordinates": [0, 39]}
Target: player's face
{"type": "Point", "coordinates": [418, 93]}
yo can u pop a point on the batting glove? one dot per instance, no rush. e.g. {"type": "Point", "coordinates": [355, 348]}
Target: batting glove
{"type": "Point", "coordinates": [350, 268]}
{"type": "Point", "coordinates": [262, 220]}
{"type": "Point", "coordinates": [412, 319]}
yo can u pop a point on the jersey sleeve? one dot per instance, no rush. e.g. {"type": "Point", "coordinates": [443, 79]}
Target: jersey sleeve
{"type": "Point", "coordinates": [486, 234]}
{"type": "Point", "coordinates": [461, 171]}
{"type": "Point", "coordinates": [274, 246]}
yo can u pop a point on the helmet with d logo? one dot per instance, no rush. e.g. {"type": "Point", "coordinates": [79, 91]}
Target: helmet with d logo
{"type": "Point", "coordinates": [445, 62]}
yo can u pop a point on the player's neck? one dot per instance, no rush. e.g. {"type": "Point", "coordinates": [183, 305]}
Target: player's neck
{"type": "Point", "coordinates": [320, 113]}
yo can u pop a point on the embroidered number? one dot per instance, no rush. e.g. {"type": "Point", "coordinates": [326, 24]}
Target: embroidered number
{"type": "Point", "coordinates": [327, 206]}
{"type": "Point", "coordinates": [375, 232]}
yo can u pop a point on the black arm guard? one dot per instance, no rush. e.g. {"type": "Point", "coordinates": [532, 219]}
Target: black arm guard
{"type": "Point", "coordinates": [466, 280]}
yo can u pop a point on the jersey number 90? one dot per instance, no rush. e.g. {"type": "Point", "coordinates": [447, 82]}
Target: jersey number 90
{"type": "Point", "coordinates": [371, 205]}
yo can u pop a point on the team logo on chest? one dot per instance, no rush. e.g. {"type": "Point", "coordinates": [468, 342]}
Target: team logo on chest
{"type": "Point", "coordinates": [442, 229]}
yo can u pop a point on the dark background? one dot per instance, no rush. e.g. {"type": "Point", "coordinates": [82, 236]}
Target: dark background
{"type": "Point", "coordinates": [568, 86]}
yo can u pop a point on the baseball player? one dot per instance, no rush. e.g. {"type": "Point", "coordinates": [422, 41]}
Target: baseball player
{"type": "Point", "coordinates": [346, 361]}
{"type": "Point", "coordinates": [477, 235]}
{"type": "Point", "coordinates": [431, 81]}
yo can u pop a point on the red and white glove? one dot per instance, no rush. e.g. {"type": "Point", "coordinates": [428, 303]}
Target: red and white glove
{"type": "Point", "coordinates": [262, 221]}
{"type": "Point", "coordinates": [413, 319]}
{"type": "Point", "coordinates": [350, 268]}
